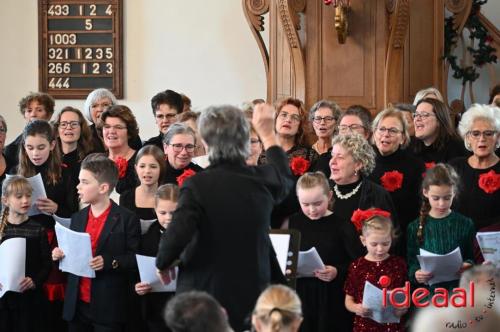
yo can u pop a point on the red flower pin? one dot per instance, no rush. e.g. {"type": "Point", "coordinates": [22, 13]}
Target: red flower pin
{"type": "Point", "coordinates": [430, 165]}
{"type": "Point", "coordinates": [392, 181]}
{"type": "Point", "coordinates": [489, 182]}
{"type": "Point", "coordinates": [122, 165]}
{"type": "Point", "coordinates": [299, 165]}
{"type": "Point", "coordinates": [186, 174]}
{"type": "Point", "coordinates": [360, 216]}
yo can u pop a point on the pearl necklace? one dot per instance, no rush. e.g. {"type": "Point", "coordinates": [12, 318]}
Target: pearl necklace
{"type": "Point", "coordinates": [348, 195]}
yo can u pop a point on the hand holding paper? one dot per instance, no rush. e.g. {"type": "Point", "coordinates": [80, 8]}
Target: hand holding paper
{"type": "Point", "coordinates": [77, 252]}
{"type": "Point", "coordinates": [148, 274]}
{"type": "Point", "coordinates": [443, 267]}
{"type": "Point", "coordinates": [12, 264]}
{"type": "Point", "coordinates": [489, 242]}
{"type": "Point", "coordinates": [309, 262]}
{"type": "Point", "coordinates": [372, 299]}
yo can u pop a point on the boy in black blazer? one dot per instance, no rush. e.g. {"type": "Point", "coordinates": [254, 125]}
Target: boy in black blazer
{"type": "Point", "coordinates": [100, 304]}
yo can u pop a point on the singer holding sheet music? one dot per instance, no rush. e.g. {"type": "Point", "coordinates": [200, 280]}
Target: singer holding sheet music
{"type": "Point", "coordinates": [223, 215]}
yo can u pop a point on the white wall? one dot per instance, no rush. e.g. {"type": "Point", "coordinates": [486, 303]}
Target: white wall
{"type": "Point", "coordinates": [202, 48]}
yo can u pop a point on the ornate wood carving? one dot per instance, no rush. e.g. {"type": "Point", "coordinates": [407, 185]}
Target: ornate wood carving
{"type": "Point", "coordinates": [254, 9]}
{"type": "Point", "coordinates": [461, 10]}
{"type": "Point", "coordinates": [395, 52]}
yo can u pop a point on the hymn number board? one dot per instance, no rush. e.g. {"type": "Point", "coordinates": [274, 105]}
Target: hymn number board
{"type": "Point", "coordinates": [80, 46]}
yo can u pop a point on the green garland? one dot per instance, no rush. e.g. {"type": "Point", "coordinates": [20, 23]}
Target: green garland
{"type": "Point", "coordinates": [481, 55]}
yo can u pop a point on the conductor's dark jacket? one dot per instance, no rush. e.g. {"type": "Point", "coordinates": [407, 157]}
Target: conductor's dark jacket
{"type": "Point", "coordinates": [223, 217]}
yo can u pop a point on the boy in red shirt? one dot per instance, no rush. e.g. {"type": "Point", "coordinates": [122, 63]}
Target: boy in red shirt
{"type": "Point", "coordinates": [100, 304]}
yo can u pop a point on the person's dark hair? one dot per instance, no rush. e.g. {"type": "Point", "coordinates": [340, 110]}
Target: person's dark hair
{"type": "Point", "coordinates": [167, 97]}
{"type": "Point", "coordinates": [362, 113]}
{"type": "Point", "coordinates": [439, 175]}
{"type": "Point", "coordinates": [188, 115]}
{"type": "Point", "coordinates": [186, 103]}
{"type": "Point", "coordinates": [446, 129]}
{"type": "Point", "coordinates": [84, 144]}
{"type": "Point", "coordinates": [42, 98]}
{"type": "Point", "coordinates": [333, 106]}
{"type": "Point", "coordinates": [157, 153]}
{"type": "Point", "coordinates": [125, 114]}
{"type": "Point", "coordinates": [195, 311]}
{"type": "Point", "coordinates": [495, 91]}
{"type": "Point", "coordinates": [301, 136]}
{"type": "Point", "coordinates": [26, 167]}
{"type": "Point", "coordinates": [102, 168]}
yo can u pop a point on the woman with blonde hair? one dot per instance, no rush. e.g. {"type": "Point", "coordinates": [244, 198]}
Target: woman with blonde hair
{"type": "Point", "coordinates": [278, 308]}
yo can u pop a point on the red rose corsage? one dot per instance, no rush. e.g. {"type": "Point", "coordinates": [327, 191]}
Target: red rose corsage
{"type": "Point", "coordinates": [360, 216]}
{"type": "Point", "coordinates": [430, 165]}
{"type": "Point", "coordinates": [122, 165]}
{"type": "Point", "coordinates": [186, 174]}
{"type": "Point", "coordinates": [489, 182]}
{"type": "Point", "coordinates": [299, 165]}
{"type": "Point", "coordinates": [392, 180]}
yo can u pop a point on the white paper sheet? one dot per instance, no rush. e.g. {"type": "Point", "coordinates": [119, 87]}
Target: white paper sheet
{"type": "Point", "coordinates": [77, 252]}
{"type": "Point", "coordinates": [38, 192]}
{"type": "Point", "coordinates": [309, 261]}
{"type": "Point", "coordinates": [147, 272]}
{"type": "Point", "coordinates": [281, 243]}
{"type": "Point", "coordinates": [66, 222]}
{"type": "Point", "coordinates": [12, 264]}
{"type": "Point", "coordinates": [489, 242]}
{"type": "Point", "coordinates": [201, 161]}
{"type": "Point", "coordinates": [443, 267]}
{"type": "Point", "coordinates": [145, 224]}
{"type": "Point", "coordinates": [372, 299]}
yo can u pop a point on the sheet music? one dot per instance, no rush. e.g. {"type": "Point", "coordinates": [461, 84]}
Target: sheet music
{"type": "Point", "coordinates": [147, 272]}
{"type": "Point", "coordinates": [12, 264]}
{"type": "Point", "coordinates": [489, 242]}
{"type": "Point", "coordinates": [309, 261]}
{"type": "Point", "coordinates": [281, 243]}
{"type": "Point", "coordinates": [372, 299]}
{"type": "Point", "coordinates": [77, 251]}
{"type": "Point", "coordinates": [66, 222]}
{"type": "Point", "coordinates": [443, 267]}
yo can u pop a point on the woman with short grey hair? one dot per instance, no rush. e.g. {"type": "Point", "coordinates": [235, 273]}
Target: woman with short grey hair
{"type": "Point", "coordinates": [179, 145]}
{"type": "Point", "coordinates": [480, 129]}
{"type": "Point", "coordinates": [324, 116]}
{"type": "Point", "coordinates": [353, 160]}
{"type": "Point", "coordinates": [220, 229]}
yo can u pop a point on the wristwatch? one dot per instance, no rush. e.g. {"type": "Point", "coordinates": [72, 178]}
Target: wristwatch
{"type": "Point", "coordinates": [115, 264]}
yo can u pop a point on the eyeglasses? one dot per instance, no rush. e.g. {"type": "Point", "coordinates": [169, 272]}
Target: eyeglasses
{"type": "Point", "coordinates": [353, 127]}
{"type": "Point", "coordinates": [3, 130]}
{"type": "Point", "coordinates": [422, 115]}
{"type": "Point", "coordinates": [102, 105]}
{"type": "Point", "coordinates": [116, 127]}
{"type": "Point", "coordinates": [71, 124]}
{"type": "Point", "coordinates": [254, 140]}
{"type": "Point", "coordinates": [486, 134]}
{"type": "Point", "coordinates": [390, 131]}
{"type": "Point", "coordinates": [178, 147]}
{"type": "Point", "coordinates": [293, 117]}
{"type": "Point", "coordinates": [168, 116]}
{"type": "Point", "coordinates": [327, 119]}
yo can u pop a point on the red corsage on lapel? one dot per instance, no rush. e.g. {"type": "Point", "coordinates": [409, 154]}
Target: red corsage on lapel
{"type": "Point", "coordinates": [392, 180]}
{"type": "Point", "coordinates": [299, 165]}
{"type": "Point", "coordinates": [430, 165]}
{"type": "Point", "coordinates": [122, 165]}
{"type": "Point", "coordinates": [360, 216]}
{"type": "Point", "coordinates": [186, 174]}
{"type": "Point", "coordinates": [489, 182]}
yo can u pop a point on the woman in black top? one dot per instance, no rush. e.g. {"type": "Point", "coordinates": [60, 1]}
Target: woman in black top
{"type": "Point", "coordinates": [396, 170]}
{"type": "Point", "coordinates": [436, 140]}
{"type": "Point", "coordinates": [4, 162]}
{"type": "Point", "coordinates": [480, 201]}
{"type": "Point", "coordinates": [179, 145]}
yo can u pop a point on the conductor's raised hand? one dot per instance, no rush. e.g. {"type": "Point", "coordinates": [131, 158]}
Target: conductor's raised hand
{"type": "Point", "coordinates": [166, 276]}
{"type": "Point", "coordinates": [263, 122]}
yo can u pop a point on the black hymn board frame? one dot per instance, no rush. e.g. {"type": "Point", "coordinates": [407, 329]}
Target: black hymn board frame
{"type": "Point", "coordinates": [80, 47]}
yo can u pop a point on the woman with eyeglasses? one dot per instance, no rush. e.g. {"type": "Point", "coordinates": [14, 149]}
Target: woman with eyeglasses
{"type": "Point", "coordinates": [436, 140]}
{"type": "Point", "coordinates": [96, 103]}
{"type": "Point", "coordinates": [324, 116]}
{"type": "Point", "coordinates": [291, 131]}
{"type": "Point", "coordinates": [480, 173]}
{"type": "Point", "coordinates": [118, 127]}
{"type": "Point", "coordinates": [399, 172]}
{"type": "Point", "coordinates": [256, 147]}
{"type": "Point", "coordinates": [179, 145]}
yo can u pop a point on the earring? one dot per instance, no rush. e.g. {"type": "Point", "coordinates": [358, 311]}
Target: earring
{"type": "Point", "coordinates": [356, 172]}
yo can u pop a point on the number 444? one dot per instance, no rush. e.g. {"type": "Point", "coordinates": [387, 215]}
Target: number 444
{"type": "Point", "coordinates": [59, 83]}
